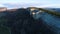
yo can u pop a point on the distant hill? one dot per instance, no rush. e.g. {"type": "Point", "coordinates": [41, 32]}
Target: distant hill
{"type": "Point", "coordinates": [55, 9]}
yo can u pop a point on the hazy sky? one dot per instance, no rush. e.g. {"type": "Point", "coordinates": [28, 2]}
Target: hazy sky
{"type": "Point", "coordinates": [37, 3]}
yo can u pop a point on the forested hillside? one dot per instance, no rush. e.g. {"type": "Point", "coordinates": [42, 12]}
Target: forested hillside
{"type": "Point", "coordinates": [21, 22]}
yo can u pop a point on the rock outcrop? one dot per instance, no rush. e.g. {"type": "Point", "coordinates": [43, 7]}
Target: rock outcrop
{"type": "Point", "coordinates": [3, 9]}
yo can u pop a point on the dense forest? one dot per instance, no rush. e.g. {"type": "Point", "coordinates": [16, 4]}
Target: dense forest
{"type": "Point", "coordinates": [21, 22]}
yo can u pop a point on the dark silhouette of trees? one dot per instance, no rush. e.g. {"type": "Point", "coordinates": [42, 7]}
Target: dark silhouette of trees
{"type": "Point", "coordinates": [21, 22]}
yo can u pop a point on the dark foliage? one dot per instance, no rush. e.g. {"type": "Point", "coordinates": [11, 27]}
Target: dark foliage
{"type": "Point", "coordinates": [21, 22]}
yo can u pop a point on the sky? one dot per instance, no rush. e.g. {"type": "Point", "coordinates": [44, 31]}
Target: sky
{"type": "Point", "coordinates": [29, 3]}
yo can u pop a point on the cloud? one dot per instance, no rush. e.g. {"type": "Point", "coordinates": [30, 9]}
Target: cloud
{"type": "Point", "coordinates": [1, 5]}
{"type": "Point", "coordinates": [18, 5]}
{"type": "Point", "coordinates": [43, 4]}
{"type": "Point", "coordinates": [50, 6]}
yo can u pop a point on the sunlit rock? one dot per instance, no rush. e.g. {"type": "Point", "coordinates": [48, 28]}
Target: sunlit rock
{"type": "Point", "coordinates": [3, 8]}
